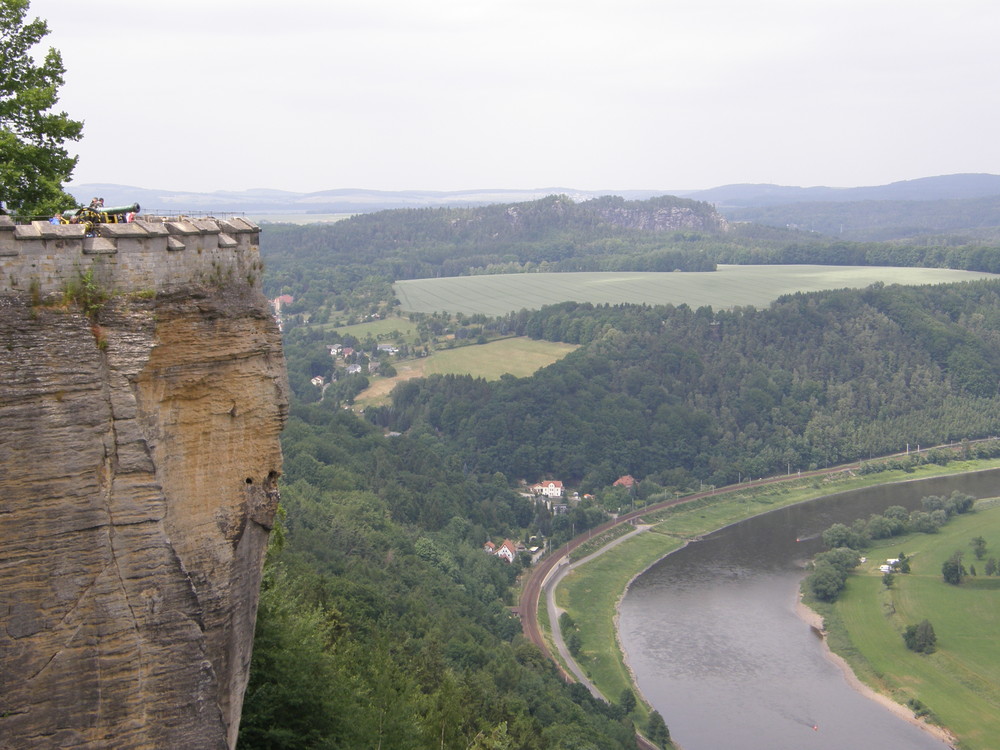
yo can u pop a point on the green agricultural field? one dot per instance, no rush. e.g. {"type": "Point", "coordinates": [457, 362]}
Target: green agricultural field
{"type": "Point", "coordinates": [518, 356]}
{"type": "Point", "coordinates": [728, 287]}
{"type": "Point", "coordinates": [960, 682]}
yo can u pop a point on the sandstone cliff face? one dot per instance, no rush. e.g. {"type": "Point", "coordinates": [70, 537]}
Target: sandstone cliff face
{"type": "Point", "coordinates": [139, 456]}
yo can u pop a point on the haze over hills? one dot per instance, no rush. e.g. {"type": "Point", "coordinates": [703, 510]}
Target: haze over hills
{"type": "Point", "coordinates": [348, 200]}
{"type": "Point", "coordinates": [962, 205]}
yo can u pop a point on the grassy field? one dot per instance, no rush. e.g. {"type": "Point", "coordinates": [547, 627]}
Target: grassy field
{"type": "Point", "coordinates": [518, 356]}
{"type": "Point", "coordinates": [590, 593]}
{"type": "Point", "coordinates": [960, 682]}
{"type": "Point", "coordinates": [729, 286]}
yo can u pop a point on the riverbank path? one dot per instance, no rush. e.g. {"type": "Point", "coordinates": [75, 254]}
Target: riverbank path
{"type": "Point", "coordinates": [549, 587]}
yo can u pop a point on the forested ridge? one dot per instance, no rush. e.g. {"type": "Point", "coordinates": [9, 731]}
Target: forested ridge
{"type": "Point", "coordinates": [382, 621]}
{"type": "Point", "coordinates": [677, 396]}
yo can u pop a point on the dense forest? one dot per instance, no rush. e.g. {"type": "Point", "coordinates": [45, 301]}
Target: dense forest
{"type": "Point", "coordinates": [382, 621]}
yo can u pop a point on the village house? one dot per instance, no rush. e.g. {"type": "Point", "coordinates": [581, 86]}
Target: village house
{"type": "Point", "coordinates": [549, 488]}
{"type": "Point", "coordinates": [627, 481]}
{"type": "Point", "coordinates": [507, 551]}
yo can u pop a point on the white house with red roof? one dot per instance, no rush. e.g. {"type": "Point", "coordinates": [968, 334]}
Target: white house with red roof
{"type": "Point", "coordinates": [507, 551]}
{"type": "Point", "coordinates": [548, 488]}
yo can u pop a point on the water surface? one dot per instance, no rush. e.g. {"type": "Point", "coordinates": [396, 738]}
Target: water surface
{"type": "Point", "coordinates": [717, 648]}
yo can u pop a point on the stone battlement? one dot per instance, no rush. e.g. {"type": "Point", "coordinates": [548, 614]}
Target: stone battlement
{"type": "Point", "coordinates": [150, 254]}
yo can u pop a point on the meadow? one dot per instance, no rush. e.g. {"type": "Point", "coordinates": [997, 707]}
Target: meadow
{"type": "Point", "coordinates": [960, 682]}
{"type": "Point", "coordinates": [729, 286]}
{"type": "Point", "coordinates": [519, 356]}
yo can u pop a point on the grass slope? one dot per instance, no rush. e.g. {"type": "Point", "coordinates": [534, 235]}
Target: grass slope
{"type": "Point", "coordinates": [518, 356]}
{"type": "Point", "coordinates": [728, 287]}
{"type": "Point", "coordinates": [960, 682]}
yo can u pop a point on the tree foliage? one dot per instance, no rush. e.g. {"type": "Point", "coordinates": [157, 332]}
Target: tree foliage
{"type": "Point", "coordinates": [952, 569]}
{"type": "Point", "coordinates": [656, 730]}
{"type": "Point", "coordinates": [921, 637]}
{"type": "Point", "coordinates": [34, 161]}
{"type": "Point", "coordinates": [978, 547]}
{"type": "Point", "coordinates": [382, 621]}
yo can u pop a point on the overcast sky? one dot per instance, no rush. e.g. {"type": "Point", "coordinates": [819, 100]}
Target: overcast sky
{"type": "Point", "coordinates": [308, 95]}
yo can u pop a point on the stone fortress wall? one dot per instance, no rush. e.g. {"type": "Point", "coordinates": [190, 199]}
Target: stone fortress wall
{"type": "Point", "coordinates": [151, 253]}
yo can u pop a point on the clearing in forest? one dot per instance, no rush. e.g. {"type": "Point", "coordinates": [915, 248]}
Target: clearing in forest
{"type": "Point", "coordinates": [520, 356]}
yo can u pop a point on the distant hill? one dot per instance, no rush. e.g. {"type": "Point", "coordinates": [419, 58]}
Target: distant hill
{"type": "Point", "coordinates": [967, 220]}
{"type": "Point", "coordinates": [945, 187]}
{"type": "Point", "coordinates": [262, 201]}
{"type": "Point", "coordinates": [966, 205]}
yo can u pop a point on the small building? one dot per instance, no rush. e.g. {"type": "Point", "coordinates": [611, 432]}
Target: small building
{"type": "Point", "coordinates": [549, 488]}
{"type": "Point", "coordinates": [627, 481]}
{"type": "Point", "coordinates": [507, 551]}
{"type": "Point", "coordinates": [317, 381]}
{"type": "Point", "coordinates": [490, 548]}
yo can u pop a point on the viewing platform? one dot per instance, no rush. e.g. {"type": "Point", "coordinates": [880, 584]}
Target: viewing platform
{"type": "Point", "coordinates": [151, 253]}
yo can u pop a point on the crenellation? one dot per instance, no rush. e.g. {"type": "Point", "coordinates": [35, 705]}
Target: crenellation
{"type": "Point", "coordinates": [151, 253]}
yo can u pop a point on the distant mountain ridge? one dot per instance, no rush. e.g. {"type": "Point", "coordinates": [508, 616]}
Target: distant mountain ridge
{"type": "Point", "coordinates": [944, 187]}
{"type": "Point", "coordinates": [258, 201]}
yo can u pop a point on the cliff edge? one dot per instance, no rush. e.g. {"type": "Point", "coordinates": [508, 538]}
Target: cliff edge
{"type": "Point", "coordinates": [142, 394]}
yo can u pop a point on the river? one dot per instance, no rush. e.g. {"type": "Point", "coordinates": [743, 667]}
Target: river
{"type": "Point", "coordinates": [717, 648]}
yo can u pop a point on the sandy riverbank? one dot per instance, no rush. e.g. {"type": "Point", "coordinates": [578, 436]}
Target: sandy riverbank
{"type": "Point", "coordinates": [815, 621]}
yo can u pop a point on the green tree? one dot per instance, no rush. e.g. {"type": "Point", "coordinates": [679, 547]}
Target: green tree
{"type": "Point", "coordinates": [840, 535]}
{"type": "Point", "coordinates": [920, 638]}
{"type": "Point", "coordinates": [952, 569]}
{"type": "Point", "coordinates": [33, 160]}
{"type": "Point", "coordinates": [656, 729]}
{"type": "Point", "coordinates": [978, 547]}
{"type": "Point", "coordinates": [627, 700]}
{"type": "Point", "coordinates": [826, 582]}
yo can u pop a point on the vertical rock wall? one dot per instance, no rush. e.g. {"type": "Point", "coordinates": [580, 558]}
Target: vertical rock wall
{"type": "Point", "coordinates": [139, 456]}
